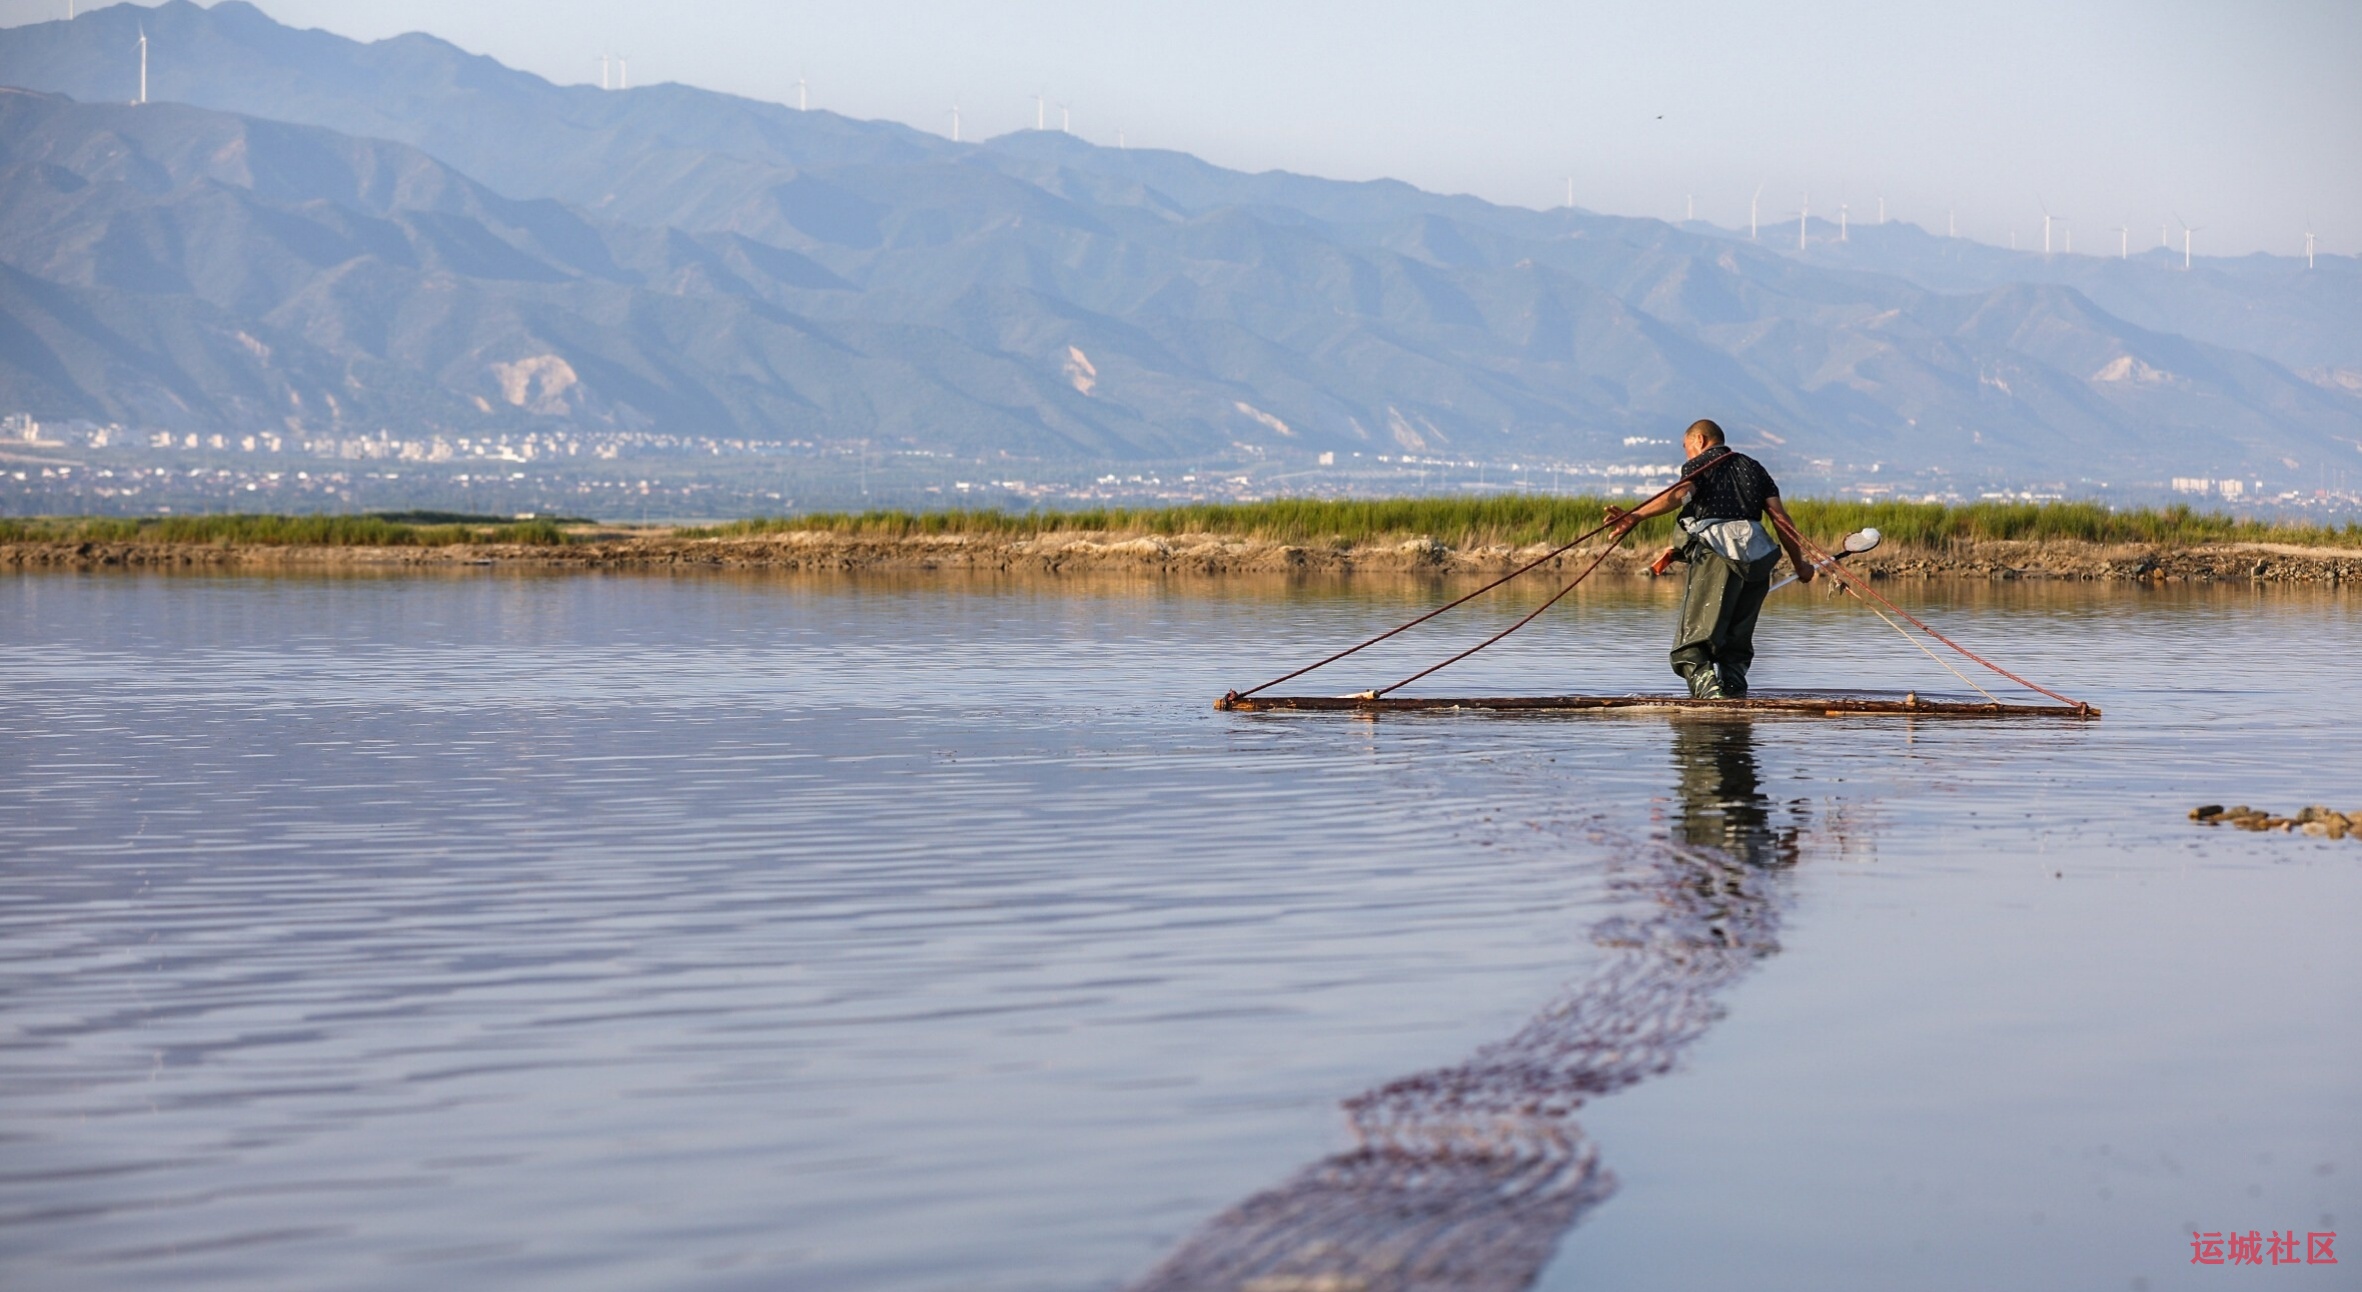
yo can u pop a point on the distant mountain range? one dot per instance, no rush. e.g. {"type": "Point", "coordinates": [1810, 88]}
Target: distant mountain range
{"type": "Point", "coordinates": [306, 232]}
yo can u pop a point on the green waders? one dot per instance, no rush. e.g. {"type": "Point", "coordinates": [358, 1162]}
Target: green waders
{"type": "Point", "coordinates": [1715, 642]}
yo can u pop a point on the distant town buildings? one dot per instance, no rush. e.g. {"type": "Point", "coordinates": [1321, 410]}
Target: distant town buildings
{"type": "Point", "coordinates": [23, 429]}
{"type": "Point", "coordinates": [75, 465]}
{"type": "Point", "coordinates": [2228, 490]}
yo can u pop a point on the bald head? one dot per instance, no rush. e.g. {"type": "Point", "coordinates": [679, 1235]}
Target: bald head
{"type": "Point", "coordinates": [1701, 436]}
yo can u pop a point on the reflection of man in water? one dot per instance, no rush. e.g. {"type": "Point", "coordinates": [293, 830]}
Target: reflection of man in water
{"type": "Point", "coordinates": [1731, 558]}
{"type": "Point", "coordinates": [1723, 805]}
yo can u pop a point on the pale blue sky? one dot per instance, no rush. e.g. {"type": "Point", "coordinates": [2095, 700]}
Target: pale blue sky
{"type": "Point", "coordinates": [2242, 118]}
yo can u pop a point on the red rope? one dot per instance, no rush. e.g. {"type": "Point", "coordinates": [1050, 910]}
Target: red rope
{"type": "Point", "coordinates": [1551, 555]}
{"type": "Point", "coordinates": [1862, 586]}
{"type": "Point", "coordinates": [1537, 613]}
{"type": "Point", "coordinates": [1822, 561]}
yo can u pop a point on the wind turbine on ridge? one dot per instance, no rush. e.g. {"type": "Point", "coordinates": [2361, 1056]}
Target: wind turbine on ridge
{"type": "Point", "coordinates": [2045, 223]}
{"type": "Point", "coordinates": [1803, 217]}
{"type": "Point", "coordinates": [2123, 242]}
{"type": "Point", "coordinates": [955, 123]}
{"type": "Point", "coordinates": [2308, 242]}
{"type": "Point", "coordinates": [803, 92]}
{"type": "Point", "coordinates": [1040, 121]}
{"type": "Point", "coordinates": [2187, 230]}
{"type": "Point", "coordinates": [143, 62]}
{"type": "Point", "coordinates": [1751, 204]}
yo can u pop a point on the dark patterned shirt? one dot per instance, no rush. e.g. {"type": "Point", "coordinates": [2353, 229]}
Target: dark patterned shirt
{"type": "Point", "coordinates": [1734, 490]}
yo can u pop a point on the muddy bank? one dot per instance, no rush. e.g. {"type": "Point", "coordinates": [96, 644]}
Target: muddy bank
{"type": "Point", "coordinates": [1196, 554]}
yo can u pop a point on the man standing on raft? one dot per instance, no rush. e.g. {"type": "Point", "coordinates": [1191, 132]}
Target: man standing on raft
{"type": "Point", "coordinates": [1731, 558]}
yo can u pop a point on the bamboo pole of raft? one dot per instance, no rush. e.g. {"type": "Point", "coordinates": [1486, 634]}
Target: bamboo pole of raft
{"type": "Point", "coordinates": [1835, 707]}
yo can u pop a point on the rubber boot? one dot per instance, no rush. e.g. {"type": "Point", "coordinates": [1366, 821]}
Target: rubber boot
{"type": "Point", "coordinates": [1703, 684]}
{"type": "Point", "coordinates": [1734, 682]}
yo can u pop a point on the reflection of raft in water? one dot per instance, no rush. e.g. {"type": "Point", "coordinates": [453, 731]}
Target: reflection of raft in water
{"type": "Point", "coordinates": [1910, 705]}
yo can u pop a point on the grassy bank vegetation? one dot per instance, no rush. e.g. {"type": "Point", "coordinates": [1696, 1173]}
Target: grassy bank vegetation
{"type": "Point", "coordinates": [1519, 520]}
{"type": "Point", "coordinates": [279, 531]}
{"type": "Point", "coordinates": [1458, 522]}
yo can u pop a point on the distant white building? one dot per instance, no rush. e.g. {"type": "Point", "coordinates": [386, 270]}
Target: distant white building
{"type": "Point", "coordinates": [2229, 490]}
{"type": "Point", "coordinates": [24, 429]}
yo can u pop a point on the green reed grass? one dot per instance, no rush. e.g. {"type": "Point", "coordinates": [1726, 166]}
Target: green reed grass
{"type": "Point", "coordinates": [274, 531]}
{"type": "Point", "coordinates": [1457, 522]}
{"type": "Point", "coordinates": [1524, 519]}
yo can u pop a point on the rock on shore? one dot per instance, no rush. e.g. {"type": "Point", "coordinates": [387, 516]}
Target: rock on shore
{"type": "Point", "coordinates": [2315, 819]}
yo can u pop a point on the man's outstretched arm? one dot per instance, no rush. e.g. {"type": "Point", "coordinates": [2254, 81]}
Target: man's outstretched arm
{"type": "Point", "coordinates": [1784, 529]}
{"type": "Point", "coordinates": [1658, 506]}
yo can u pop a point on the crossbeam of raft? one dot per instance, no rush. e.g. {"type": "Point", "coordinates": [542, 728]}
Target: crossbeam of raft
{"type": "Point", "coordinates": [1827, 706]}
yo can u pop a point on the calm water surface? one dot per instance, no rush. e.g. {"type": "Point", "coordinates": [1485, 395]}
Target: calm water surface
{"type": "Point", "coordinates": [630, 933]}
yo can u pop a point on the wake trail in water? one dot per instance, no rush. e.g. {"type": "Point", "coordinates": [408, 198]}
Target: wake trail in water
{"type": "Point", "coordinates": [1466, 1177]}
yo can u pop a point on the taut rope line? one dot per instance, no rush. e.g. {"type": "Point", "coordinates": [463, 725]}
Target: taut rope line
{"type": "Point", "coordinates": [1823, 561]}
{"type": "Point", "coordinates": [1537, 613]}
{"type": "Point", "coordinates": [1941, 662]}
{"type": "Point", "coordinates": [1862, 586]}
{"type": "Point", "coordinates": [1551, 555]}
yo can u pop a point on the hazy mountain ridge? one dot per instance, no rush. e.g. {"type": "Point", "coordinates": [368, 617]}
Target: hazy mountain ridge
{"type": "Point", "coordinates": [2272, 305]}
{"type": "Point", "coordinates": [669, 257]}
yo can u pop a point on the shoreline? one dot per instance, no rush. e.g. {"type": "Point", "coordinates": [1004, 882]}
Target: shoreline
{"type": "Point", "coordinates": [1188, 554]}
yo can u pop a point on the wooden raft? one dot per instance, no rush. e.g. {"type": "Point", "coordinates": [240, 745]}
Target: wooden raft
{"type": "Point", "coordinates": [1910, 706]}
